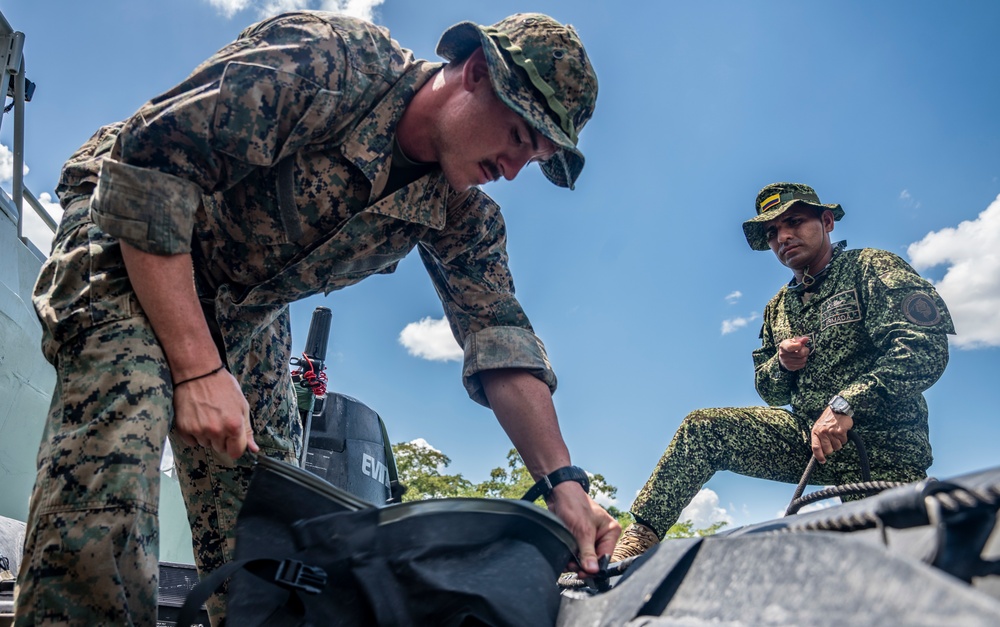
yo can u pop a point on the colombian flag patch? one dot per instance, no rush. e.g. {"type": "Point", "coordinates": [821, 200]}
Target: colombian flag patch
{"type": "Point", "coordinates": [769, 202]}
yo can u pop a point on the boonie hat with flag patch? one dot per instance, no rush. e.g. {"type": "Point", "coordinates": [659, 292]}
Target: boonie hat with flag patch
{"type": "Point", "coordinates": [538, 68]}
{"type": "Point", "coordinates": [776, 199]}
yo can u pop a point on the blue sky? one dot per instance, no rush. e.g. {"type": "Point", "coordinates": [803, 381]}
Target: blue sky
{"type": "Point", "coordinates": [640, 282]}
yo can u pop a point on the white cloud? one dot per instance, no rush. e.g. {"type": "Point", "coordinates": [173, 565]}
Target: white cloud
{"type": "Point", "coordinates": [229, 8]}
{"type": "Point", "coordinates": [432, 340]}
{"type": "Point", "coordinates": [734, 296]}
{"type": "Point", "coordinates": [908, 200]}
{"type": "Point", "coordinates": [734, 324]}
{"type": "Point", "coordinates": [704, 511]}
{"type": "Point", "coordinates": [35, 229]}
{"type": "Point", "coordinates": [424, 444]}
{"type": "Point", "coordinates": [813, 507]}
{"type": "Point", "coordinates": [365, 9]}
{"type": "Point", "coordinates": [7, 164]}
{"type": "Point", "coordinates": [971, 285]}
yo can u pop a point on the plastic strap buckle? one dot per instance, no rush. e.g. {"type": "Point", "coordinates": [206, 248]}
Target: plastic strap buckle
{"type": "Point", "coordinates": [295, 575]}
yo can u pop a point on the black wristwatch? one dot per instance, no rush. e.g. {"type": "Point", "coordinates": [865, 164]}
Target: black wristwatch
{"type": "Point", "coordinates": [839, 405]}
{"type": "Point", "coordinates": [567, 473]}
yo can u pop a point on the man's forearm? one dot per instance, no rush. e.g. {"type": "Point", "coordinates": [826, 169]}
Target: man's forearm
{"type": "Point", "coordinates": [209, 412]}
{"type": "Point", "coordinates": [164, 285]}
{"type": "Point", "coordinates": [523, 406]}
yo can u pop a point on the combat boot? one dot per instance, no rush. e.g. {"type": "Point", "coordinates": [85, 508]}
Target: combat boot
{"type": "Point", "coordinates": [636, 540]}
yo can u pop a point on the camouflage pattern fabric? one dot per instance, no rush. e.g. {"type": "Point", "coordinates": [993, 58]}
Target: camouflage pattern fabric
{"type": "Point", "coordinates": [763, 442]}
{"type": "Point", "coordinates": [268, 165]}
{"type": "Point", "coordinates": [293, 200]}
{"type": "Point", "coordinates": [91, 539]}
{"type": "Point", "coordinates": [92, 536]}
{"type": "Point", "coordinates": [213, 485]}
{"type": "Point", "coordinates": [879, 339]}
{"type": "Point", "coordinates": [870, 344]}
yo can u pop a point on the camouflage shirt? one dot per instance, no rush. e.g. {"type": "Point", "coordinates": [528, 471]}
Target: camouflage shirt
{"type": "Point", "coordinates": [268, 165]}
{"type": "Point", "coordinates": [879, 339]}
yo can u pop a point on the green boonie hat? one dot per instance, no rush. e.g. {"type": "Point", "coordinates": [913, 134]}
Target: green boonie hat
{"type": "Point", "coordinates": [776, 199]}
{"type": "Point", "coordinates": [538, 68]}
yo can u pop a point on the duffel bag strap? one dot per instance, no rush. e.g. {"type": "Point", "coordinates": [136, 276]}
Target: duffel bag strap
{"type": "Point", "coordinates": [290, 574]}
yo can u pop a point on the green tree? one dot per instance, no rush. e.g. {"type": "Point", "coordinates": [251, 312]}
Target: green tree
{"type": "Point", "coordinates": [419, 468]}
{"type": "Point", "coordinates": [686, 529]}
{"type": "Point", "coordinates": [682, 529]}
{"type": "Point", "coordinates": [514, 480]}
{"type": "Point", "coordinates": [506, 483]}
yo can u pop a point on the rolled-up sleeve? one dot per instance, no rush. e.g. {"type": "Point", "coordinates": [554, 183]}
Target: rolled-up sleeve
{"type": "Point", "coordinates": [504, 347]}
{"type": "Point", "coordinates": [467, 262]}
{"type": "Point", "coordinates": [148, 209]}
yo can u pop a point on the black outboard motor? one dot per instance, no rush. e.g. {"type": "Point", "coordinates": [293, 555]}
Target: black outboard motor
{"type": "Point", "coordinates": [345, 441]}
{"type": "Point", "coordinates": [348, 448]}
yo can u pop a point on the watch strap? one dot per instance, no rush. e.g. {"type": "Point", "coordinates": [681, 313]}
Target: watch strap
{"type": "Point", "coordinates": [543, 487]}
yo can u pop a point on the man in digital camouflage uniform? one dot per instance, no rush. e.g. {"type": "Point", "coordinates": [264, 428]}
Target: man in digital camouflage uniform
{"type": "Point", "coordinates": [851, 342]}
{"type": "Point", "coordinates": [309, 154]}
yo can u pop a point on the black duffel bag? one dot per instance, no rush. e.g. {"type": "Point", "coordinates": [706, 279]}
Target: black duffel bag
{"type": "Point", "coordinates": [309, 553]}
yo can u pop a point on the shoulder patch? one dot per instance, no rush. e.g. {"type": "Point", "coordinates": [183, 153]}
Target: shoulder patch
{"type": "Point", "coordinates": [919, 308]}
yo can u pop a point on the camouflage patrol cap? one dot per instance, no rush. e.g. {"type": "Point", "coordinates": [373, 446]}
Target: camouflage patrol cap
{"type": "Point", "coordinates": [538, 68]}
{"type": "Point", "coordinates": [776, 199]}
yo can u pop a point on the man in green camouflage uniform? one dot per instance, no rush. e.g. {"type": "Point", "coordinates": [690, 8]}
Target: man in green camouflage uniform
{"type": "Point", "coordinates": [851, 342]}
{"type": "Point", "coordinates": [309, 154]}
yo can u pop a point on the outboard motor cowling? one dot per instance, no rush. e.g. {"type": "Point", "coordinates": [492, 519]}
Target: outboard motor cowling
{"type": "Point", "coordinates": [348, 448]}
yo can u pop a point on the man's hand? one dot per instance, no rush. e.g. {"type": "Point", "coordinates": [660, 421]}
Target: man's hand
{"type": "Point", "coordinates": [212, 412]}
{"type": "Point", "coordinates": [829, 433]}
{"type": "Point", "coordinates": [209, 411]}
{"type": "Point", "coordinates": [596, 532]}
{"type": "Point", "coordinates": [793, 353]}
{"type": "Point", "coordinates": [523, 405]}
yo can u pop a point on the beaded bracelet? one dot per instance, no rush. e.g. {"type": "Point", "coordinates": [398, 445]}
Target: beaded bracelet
{"type": "Point", "coordinates": [201, 376]}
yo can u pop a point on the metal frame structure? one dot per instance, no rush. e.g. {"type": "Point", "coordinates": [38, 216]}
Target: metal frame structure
{"type": "Point", "coordinates": [20, 89]}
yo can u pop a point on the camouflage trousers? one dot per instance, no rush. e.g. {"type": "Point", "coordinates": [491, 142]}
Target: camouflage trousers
{"type": "Point", "coordinates": [92, 539]}
{"type": "Point", "coordinates": [762, 442]}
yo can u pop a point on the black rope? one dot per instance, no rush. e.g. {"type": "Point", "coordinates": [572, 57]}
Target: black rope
{"type": "Point", "coordinates": [866, 470]}
{"type": "Point", "coordinates": [799, 489]}
{"type": "Point", "coordinates": [952, 501]}
{"type": "Point", "coordinates": [867, 488]}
